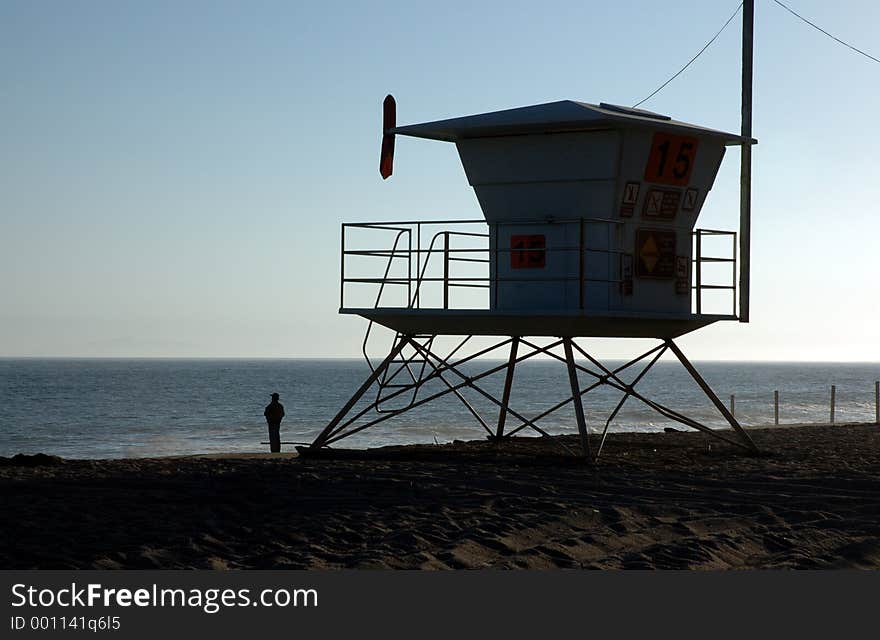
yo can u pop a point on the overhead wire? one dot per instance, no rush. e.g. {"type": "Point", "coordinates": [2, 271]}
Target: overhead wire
{"type": "Point", "coordinates": [818, 28]}
{"type": "Point", "coordinates": [729, 20]}
{"type": "Point", "coordinates": [691, 61]}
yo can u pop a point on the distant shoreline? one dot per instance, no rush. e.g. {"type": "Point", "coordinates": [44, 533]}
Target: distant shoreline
{"type": "Point", "coordinates": [288, 452]}
{"type": "Point", "coordinates": [361, 359]}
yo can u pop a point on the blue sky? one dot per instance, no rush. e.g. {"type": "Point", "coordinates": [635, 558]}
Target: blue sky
{"type": "Point", "coordinates": [173, 175]}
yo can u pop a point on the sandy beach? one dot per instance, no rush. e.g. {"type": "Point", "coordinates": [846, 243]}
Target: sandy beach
{"type": "Point", "coordinates": [666, 501]}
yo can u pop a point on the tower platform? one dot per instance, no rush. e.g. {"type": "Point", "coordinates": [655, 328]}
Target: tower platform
{"type": "Point", "coordinates": [556, 323]}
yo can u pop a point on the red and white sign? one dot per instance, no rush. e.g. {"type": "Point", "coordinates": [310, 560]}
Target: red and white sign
{"type": "Point", "coordinates": [626, 274]}
{"type": "Point", "coordinates": [630, 197]}
{"type": "Point", "coordinates": [528, 252]}
{"type": "Point", "coordinates": [662, 203]}
{"type": "Point", "coordinates": [681, 266]}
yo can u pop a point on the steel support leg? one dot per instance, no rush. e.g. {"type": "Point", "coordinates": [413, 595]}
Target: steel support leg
{"type": "Point", "coordinates": [578, 404]}
{"type": "Point", "coordinates": [508, 383]}
{"type": "Point", "coordinates": [666, 412]}
{"type": "Point", "coordinates": [711, 395]}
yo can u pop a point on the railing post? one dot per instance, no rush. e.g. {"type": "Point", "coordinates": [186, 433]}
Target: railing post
{"type": "Point", "coordinates": [877, 401]}
{"type": "Point", "coordinates": [699, 272]}
{"type": "Point", "coordinates": [342, 268]}
{"type": "Point", "coordinates": [733, 405]}
{"type": "Point", "coordinates": [580, 266]}
{"type": "Point", "coordinates": [418, 302]}
{"type": "Point", "coordinates": [493, 271]}
{"type": "Point", "coordinates": [776, 407]}
{"type": "Point", "coordinates": [833, 390]}
{"type": "Point", "coordinates": [409, 274]}
{"type": "Point", "coordinates": [446, 270]}
{"type": "Point", "coordinates": [733, 275]}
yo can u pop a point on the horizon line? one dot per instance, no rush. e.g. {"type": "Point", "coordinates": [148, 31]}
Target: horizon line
{"type": "Point", "coordinates": [349, 358]}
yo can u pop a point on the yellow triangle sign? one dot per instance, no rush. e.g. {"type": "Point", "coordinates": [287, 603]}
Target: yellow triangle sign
{"type": "Point", "coordinates": [649, 253]}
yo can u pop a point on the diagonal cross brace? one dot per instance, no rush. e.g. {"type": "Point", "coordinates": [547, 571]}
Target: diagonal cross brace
{"type": "Point", "coordinates": [339, 433]}
{"type": "Point", "coordinates": [469, 381]}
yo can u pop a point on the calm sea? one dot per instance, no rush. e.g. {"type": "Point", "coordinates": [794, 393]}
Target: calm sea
{"type": "Point", "coordinates": [150, 407]}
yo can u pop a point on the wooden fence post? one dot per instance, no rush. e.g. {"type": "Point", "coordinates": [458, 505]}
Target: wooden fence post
{"type": "Point", "coordinates": [833, 390]}
{"type": "Point", "coordinates": [877, 401]}
{"type": "Point", "coordinates": [776, 407]}
{"type": "Point", "coordinates": [733, 405]}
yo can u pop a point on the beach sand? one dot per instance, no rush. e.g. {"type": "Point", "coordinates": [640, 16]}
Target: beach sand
{"type": "Point", "coordinates": [666, 501]}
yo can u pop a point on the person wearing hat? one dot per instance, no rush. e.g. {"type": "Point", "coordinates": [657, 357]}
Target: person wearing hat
{"type": "Point", "coordinates": [274, 413]}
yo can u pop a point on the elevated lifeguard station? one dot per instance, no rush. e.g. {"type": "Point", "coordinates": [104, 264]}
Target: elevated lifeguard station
{"type": "Point", "coordinates": [589, 231]}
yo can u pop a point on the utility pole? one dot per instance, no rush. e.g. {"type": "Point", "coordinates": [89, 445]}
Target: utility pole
{"type": "Point", "coordinates": [745, 170]}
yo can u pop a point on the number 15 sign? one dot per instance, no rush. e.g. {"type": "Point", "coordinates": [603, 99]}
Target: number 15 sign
{"type": "Point", "coordinates": [671, 159]}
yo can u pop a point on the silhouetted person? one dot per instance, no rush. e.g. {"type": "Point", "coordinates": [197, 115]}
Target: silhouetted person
{"type": "Point", "coordinates": [274, 413]}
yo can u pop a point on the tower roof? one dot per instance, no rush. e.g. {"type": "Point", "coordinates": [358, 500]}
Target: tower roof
{"type": "Point", "coordinates": [556, 117]}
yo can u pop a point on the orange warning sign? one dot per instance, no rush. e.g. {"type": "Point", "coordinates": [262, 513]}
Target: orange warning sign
{"type": "Point", "coordinates": [655, 249]}
{"type": "Point", "coordinates": [671, 159]}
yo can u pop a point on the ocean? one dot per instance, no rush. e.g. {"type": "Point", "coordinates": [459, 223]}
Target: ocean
{"type": "Point", "coordinates": [116, 408]}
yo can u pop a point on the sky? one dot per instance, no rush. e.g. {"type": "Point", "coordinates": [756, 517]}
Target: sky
{"type": "Point", "coordinates": [173, 175]}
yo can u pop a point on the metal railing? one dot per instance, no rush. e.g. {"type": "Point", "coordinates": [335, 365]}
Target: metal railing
{"type": "Point", "coordinates": [417, 259]}
{"type": "Point", "coordinates": [457, 246]}
{"type": "Point", "coordinates": [449, 256]}
{"type": "Point", "coordinates": [699, 260]}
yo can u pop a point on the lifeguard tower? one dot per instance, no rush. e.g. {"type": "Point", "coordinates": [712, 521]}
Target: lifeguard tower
{"type": "Point", "coordinates": [589, 231]}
